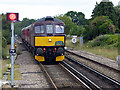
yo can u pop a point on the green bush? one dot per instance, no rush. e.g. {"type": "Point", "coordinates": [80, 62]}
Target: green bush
{"type": "Point", "coordinates": [4, 53]}
{"type": "Point", "coordinates": [6, 35]}
{"type": "Point", "coordinates": [4, 42]}
{"type": "Point", "coordinates": [105, 40]}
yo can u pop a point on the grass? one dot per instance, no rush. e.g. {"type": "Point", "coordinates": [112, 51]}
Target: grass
{"type": "Point", "coordinates": [3, 63]}
{"type": "Point", "coordinates": [17, 74]}
{"type": "Point", "coordinates": [6, 52]}
{"type": "Point", "coordinates": [4, 67]}
{"type": "Point", "coordinates": [105, 51]}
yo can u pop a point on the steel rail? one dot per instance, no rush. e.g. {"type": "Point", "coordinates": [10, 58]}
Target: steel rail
{"type": "Point", "coordinates": [92, 70]}
{"type": "Point", "coordinates": [91, 84]}
{"type": "Point", "coordinates": [48, 77]}
{"type": "Point", "coordinates": [75, 77]}
{"type": "Point", "coordinates": [94, 61]}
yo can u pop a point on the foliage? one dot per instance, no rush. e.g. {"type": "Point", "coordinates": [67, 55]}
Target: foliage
{"type": "Point", "coordinates": [77, 30]}
{"type": "Point", "coordinates": [105, 9]}
{"type": "Point", "coordinates": [105, 40]}
{"type": "Point", "coordinates": [117, 9]}
{"type": "Point", "coordinates": [99, 26]}
{"type": "Point", "coordinates": [70, 27]}
{"type": "Point", "coordinates": [77, 17]}
{"type": "Point", "coordinates": [88, 33]}
{"type": "Point", "coordinates": [68, 23]}
{"type": "Point", "coordinates": [5, 24]}
{"type": "Point", "coordinates": [117, 30]}
{"type": "Point", "coordinates": [24, 23]}
{"type": "Point", "coordinates": [7, 35]}
{"type": "Point", "coordinates": [6, 29]}
{"type": "Point", "coordinates": [105, 51]}
{"type": "Point", "coordinates": [4, 47]}
{"type": "Point", "coordinates": [4, 53]}
{"type": "Point", "coordinates": [4, 42]}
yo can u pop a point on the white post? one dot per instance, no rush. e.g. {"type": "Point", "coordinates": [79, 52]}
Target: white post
{"type": "Point", "coordinates": [12, 57]}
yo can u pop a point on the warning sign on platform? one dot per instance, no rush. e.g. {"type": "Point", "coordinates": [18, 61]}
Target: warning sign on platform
{"type": "Point", "coordinates": [74, 40]}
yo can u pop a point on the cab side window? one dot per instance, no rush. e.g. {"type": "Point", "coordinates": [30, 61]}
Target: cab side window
{"type": "Point", "coordinates": [39, 29]}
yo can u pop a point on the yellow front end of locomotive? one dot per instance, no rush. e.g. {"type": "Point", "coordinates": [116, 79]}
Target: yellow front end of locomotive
{"type": "Point", "coordinates": [60, 58]}
{"type": "Point", "coordinates": [48, 41]}
{"type": "Point", "coordinates": [39, 58]}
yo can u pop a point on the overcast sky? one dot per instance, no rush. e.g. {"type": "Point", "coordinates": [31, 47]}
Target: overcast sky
{"type": "Point", "coordinates": [34, 9]}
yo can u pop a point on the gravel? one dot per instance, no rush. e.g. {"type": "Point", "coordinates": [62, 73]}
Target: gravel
{"type": "Point", "coordinates": [101, 60]}
{"type": "Point", "coordinates": [32, 75]}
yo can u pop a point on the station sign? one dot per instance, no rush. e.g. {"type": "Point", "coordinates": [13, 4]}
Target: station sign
{"type": "Point", "coordinates": [74, 40]}
{"type": "Point", "coordinates": [12, 52]}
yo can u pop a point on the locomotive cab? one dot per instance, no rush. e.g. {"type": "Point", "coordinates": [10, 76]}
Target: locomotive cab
{"type": "Point", "coordinates": [49, 39]}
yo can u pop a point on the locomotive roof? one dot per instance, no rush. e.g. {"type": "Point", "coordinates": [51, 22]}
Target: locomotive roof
{"type": "Point", "coordinates": [49, 18]}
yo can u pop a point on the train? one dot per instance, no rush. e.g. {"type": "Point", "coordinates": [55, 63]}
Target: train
{"type": "Point", "coordinates": [45, 39]}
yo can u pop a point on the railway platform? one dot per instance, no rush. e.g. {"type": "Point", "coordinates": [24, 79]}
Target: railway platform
{"type": "Point", "coordinates": [99, 59]}
{"type": "Point", "coordinates": [32, 76]}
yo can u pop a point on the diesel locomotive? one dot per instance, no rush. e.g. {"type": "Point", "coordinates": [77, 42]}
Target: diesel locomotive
{"type": "Point", "coordinates": [45, 39]}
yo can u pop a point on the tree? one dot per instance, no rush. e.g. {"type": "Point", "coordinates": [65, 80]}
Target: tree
{"type": "Point", "coordinates": [117, 9]}
{"type": "Point", "coordinates": [77, 17]}
{"type": "Point", "coordinates": [87, 33]}
{"type": "Point", "coordinates": [102, 25]}
{"type": "Point", "coordinates": [7, 35]}
{"type": "Point", "coordinates": [105, 9]}
{"type": "Point", "coordinates": [70, 27]}
{"type": "Point", "coordinates": [24, 23]}
{"type": "Point", "coordinates": [5, 24]}
{"type": "Point", "coordinates": [68, 23]}
{"type": "Point", "coordinates": [6, 27]}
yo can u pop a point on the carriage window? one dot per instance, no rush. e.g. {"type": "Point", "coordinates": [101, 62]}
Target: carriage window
{"type": "Point", "coordinates": [39, 29]}
{"type": "Point", "coordinates": [59, 29]}
{"type": "Point", "coordinates": [49, 28]}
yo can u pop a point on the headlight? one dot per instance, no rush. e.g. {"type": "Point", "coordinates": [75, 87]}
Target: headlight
{"type": "Point", "coordinates": [39, 51]}
{"type": "Point", "coordinates": [60, 50]}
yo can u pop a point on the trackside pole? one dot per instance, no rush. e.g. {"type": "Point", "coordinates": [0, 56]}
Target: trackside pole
{"type": "Point", "coordinates": [12, 56]}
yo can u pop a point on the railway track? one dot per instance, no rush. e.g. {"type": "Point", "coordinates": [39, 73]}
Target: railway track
{"type": "Point", "coordinates": [104, 69]}
{"type": "Point", "coordinates": [61, 78]}
{"type": "Point", "coordinates": [91, 77]}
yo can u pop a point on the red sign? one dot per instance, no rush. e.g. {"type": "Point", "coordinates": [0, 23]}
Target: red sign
{"type": "Point", "coordinates": [12, 16]}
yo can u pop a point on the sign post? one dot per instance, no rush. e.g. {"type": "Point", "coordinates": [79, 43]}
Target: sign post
{"type": "Point", "coordinates": [12, 17]}
{"type": "Point", "coordinates": [12, 56]}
